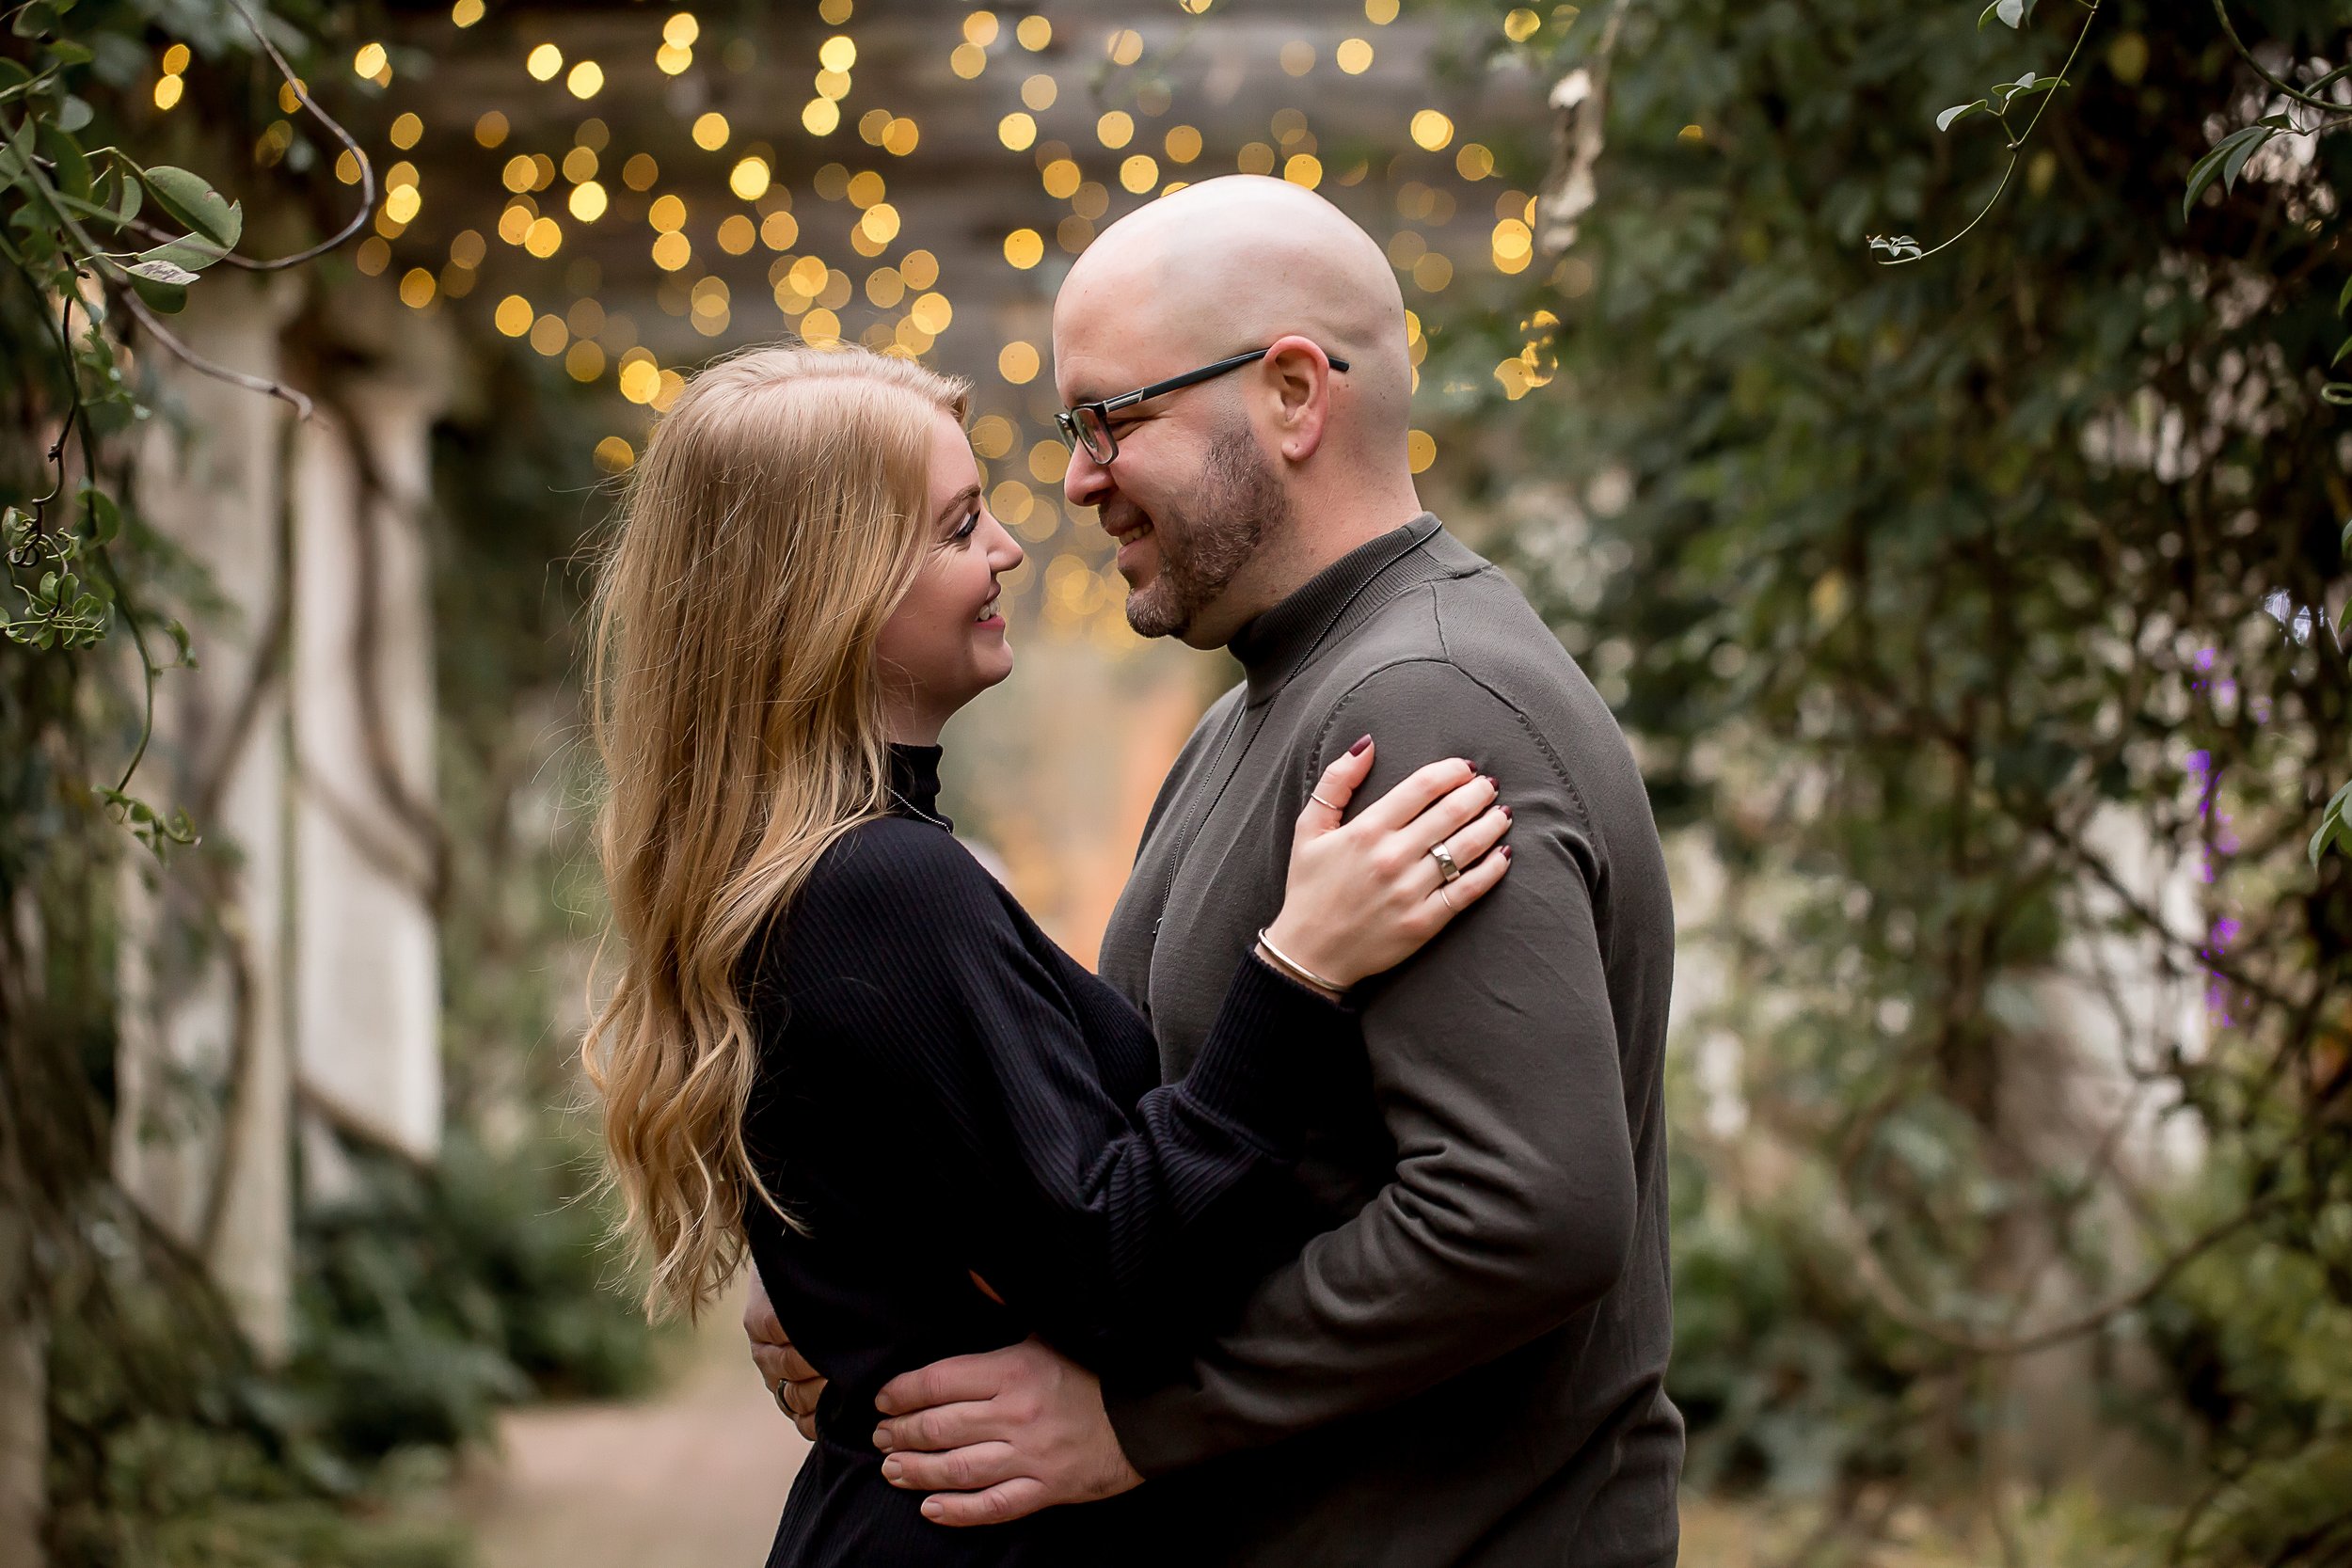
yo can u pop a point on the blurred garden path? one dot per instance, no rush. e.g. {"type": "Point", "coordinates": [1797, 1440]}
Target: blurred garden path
{"type": "Point", "coordinates": [696, 1475]}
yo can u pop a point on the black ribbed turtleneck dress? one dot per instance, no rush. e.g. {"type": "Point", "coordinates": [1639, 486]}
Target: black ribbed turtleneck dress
{"type": "Point", "coordinates": [943, 1091]}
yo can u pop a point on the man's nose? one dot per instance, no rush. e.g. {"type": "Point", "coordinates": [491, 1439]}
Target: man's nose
{"type": "Point", "coordinates": [1085, 482]}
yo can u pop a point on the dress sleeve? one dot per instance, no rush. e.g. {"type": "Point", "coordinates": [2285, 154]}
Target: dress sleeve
{"type": "Point", "coordinates": [905, 947]}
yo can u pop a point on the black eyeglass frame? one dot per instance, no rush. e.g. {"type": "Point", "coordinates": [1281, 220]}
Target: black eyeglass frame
{"type": "Point", "coordinates": [1069, 418]}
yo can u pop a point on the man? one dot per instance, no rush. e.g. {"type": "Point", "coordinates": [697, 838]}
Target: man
{"type": "Point", "coordinates": [1466, 1365]}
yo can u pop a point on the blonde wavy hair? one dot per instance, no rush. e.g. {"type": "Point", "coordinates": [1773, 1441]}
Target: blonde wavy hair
{"type": "Point", "coordinates": [772, 526]}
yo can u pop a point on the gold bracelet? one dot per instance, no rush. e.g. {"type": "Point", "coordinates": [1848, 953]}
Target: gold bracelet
{"type": "Point", "coordinates": [1296, 970]}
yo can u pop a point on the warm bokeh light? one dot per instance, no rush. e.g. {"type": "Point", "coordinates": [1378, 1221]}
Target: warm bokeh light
{"type": "Point", "coordinates": [821, 117]}
{"type": "Point", "coordinates": [1353, 56]}
{"type": "Point", "coordinates": [1182, 144]}
{"type": "Point", "coordinates": [405, 131]}
{"type": "Point", "coordinates": [1017, 362]}
{"type": "Point", "coordinates": [711, 131]}
{"type": "Point", "coordinates": [1048, 461]}
{"type": "Point", "coordinates": [586, 79]}
{"type": "Point", "coordinates": [749, 178]}
{"type": "Point", "coordinates": [1038, 92]}
{"type": "Point", "coordinates": [1017, 131]}
{"type": "Point", "coordinates": [1139, 173]}
{"type": "Point", "coordinates": [1024, 249]}
{"type": "Point", "coordinates": [542, 62]}
{"type": "Point", "coordinates": [931, 312]}
{"type": "Point", "coordinates": [1420, 449]}
{"type": "Point", "coordinates": [1304, 169]}
{"type": "Point", "coordinates": [920, 268]}
{"type": "Point", "coordinates": [588, 201]}
{"type": "Point", "coordinates": [490, 130]}
{"type": "Point", "coordinates": [1431, 130]}
{"type": "Point", "coordinates": [1125, 46]}
{"type": "Point", "coordinates": [1034, 33]}
{"type": "Point", "coordinates": [1520, 24]}
{"type": "Point", "coordinates": [1116, 129]}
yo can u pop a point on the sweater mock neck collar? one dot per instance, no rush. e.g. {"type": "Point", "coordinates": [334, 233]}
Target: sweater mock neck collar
{"type": "Point", "coordinates": [1282, 639]}
{"type": "Point", "coordinates": [914, 783]}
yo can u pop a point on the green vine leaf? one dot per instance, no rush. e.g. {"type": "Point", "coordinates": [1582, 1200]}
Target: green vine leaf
{"type": "Point", "coordinates": [2227, 159]}
{"type": "Point", "coordinates": [199, 208]}
{"type": "Point", "coordinates": [1960, 111]}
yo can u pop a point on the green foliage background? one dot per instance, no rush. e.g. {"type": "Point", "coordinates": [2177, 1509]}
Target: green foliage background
{"type": "Point", "coordinates": [1914, 581]}
{"type": "Point", "coordinates": [426, 1297]}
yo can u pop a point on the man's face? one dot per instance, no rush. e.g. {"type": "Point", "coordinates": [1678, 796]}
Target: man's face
{"type": "Point", "coordinates": [1190, 495]}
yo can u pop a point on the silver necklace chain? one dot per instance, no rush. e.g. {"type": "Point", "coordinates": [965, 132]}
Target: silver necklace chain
{"type": "Point", "coordinates": [934, 822]}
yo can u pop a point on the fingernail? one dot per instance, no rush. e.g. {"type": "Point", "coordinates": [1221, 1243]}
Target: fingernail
{"type": "Point", "coordinates": [1506, 851]}
{"type": "Point", "coordinates": [1507, 813]}
{"type": "Point", "coordinates": [892, 1468]}
{"type": "Point", "coordinates": [1358, 750]}
{"type": "Point", "coordinates": [933, 1509]}
{"type": "Point", "coordinates": [1493, 783]}
{"type": "Point", "coordinates": [882, 1438]}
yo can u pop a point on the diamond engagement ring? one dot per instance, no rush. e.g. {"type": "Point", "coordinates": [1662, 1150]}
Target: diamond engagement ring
{"type": "Point", "coordinates": [1445, 862]}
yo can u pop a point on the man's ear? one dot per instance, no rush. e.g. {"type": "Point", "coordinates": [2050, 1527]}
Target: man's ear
{"type": "Point", "coordinates": [1300, 374]}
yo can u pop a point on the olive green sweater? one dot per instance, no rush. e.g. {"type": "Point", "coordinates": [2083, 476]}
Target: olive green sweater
{"type": "Point", "coordinates": [1467, 1365]}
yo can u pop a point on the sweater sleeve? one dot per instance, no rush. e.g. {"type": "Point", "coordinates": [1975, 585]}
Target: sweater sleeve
{"type": "Point", "coordinates": [1494, 1057]}
{"type": "Point", "coordinates": [906, 950]}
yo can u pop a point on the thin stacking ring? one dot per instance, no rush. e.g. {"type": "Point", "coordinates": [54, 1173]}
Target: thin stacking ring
{"type": "Point", "coordinates": [1318, 800]}
{"type": "Point", "coordinates": [1445, 862]}
{"type": "Point", "coordinates": [1448, 898]}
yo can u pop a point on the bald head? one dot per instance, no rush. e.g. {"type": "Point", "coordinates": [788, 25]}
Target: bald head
{"type": "Point", "coordinates": [1235, 262]}
{"type": "Point", "coordinates": [1227, 495]}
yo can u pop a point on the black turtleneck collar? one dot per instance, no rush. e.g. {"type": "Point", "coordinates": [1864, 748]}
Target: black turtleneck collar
{"type": "Point", "coordinates": [914, 783]}
{"type": "Point", "coordinates": [1278, 641]}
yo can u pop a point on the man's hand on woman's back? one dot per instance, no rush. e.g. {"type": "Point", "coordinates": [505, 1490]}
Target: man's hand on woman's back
{"type": "Point", "coordinates": [795, 1383]}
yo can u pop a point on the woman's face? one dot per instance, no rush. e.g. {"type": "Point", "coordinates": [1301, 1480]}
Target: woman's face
{"type": "Point", "coordinates": [944, 644]}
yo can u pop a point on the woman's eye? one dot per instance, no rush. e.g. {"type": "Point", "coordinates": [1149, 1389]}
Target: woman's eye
{"type": "Point", "coordinates": [971, 524]}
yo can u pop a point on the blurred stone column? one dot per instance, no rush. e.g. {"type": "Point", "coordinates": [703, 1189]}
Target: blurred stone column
{"type": "Point", "coordinates": [202, 1131]}
{"type": "Point", "coordinates": [366, 834]}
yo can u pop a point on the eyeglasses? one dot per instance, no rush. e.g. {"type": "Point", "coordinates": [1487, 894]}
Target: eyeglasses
{"type": "Point", "coordinates": [1088, 425]}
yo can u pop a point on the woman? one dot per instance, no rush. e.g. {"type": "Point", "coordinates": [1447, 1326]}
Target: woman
{"type": "Point", "coordinates": [836, 1041]}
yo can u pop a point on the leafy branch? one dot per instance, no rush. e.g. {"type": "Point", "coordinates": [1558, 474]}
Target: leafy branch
{"type": "Point", "coordinates": [1899, 249]}
{"type": "Point", "coordinates": [73, 228]}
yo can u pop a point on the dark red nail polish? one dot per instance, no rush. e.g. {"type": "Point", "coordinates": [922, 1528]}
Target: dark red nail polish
{"type": "Point", "coordinates": [1507, 813]}
{"type": "Point", "coordinates": [1506, 851]}
{"type": "Point", "coordinates": [1358, 750]}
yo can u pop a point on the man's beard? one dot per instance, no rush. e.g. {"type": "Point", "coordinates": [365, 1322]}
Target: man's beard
{"type": "Point", "coordinates": [1202, 546]}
